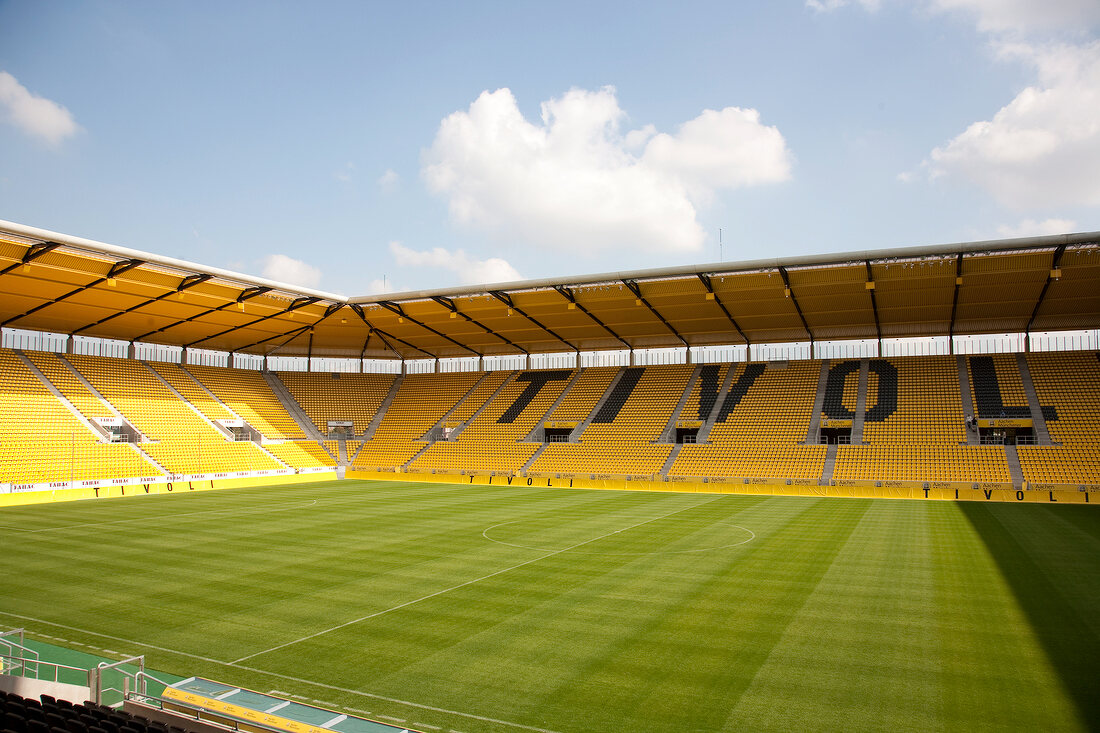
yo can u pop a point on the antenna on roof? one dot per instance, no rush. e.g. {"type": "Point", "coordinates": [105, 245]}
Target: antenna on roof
{"type": "Point", "coordinates": [720, 257]}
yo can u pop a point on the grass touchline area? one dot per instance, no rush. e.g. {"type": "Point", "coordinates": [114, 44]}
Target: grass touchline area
{"type": "Point", "coordinates": [495, 608]}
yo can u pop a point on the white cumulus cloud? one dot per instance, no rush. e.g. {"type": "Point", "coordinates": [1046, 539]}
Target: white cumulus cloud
{"type": "Point", "coordinates": [575, 180]}
{"type": "Point", "coordinates": [1033, 228]}
{"type": "Point", "coordinates": [1026, 16]}
{"type": "Point", "coordinates": [1043, 147]}
{"type": "Point", "coordinates": [997, 16]}
{"type": "Point", "coordinates": [291, 271]}
{"type": "Point", "coordinates": [379, 286]}
{"type": "Point", "coordinates": [389, 180]}
{"type": "Point", "coordinates": [470, 271]}
{"type": "Point", "coordinates": [827, 6]}
{"type": "Point", "coordinates": [726, 149]}
{"type": "Point", "coordinates": [37, 116]}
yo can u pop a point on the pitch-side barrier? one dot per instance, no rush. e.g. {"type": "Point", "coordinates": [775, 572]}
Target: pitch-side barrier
{"type": "Point", "coordinates": [927, 490]}
{"type": "Point", "coordinates": [161, 487]}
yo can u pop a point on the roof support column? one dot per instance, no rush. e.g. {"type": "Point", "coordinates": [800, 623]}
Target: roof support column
{"type": "Point", "coordinates": [1054, 274]}
{"type": "Point", "coordinates": [131, 351]}
{"type": "Point", "coordinates": [309, 353]}
{"type": "Point", "coordinates": [955, 303]}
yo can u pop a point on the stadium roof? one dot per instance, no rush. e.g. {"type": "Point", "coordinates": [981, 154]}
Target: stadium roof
{"type": "Point", "coordinates": [58, 283]}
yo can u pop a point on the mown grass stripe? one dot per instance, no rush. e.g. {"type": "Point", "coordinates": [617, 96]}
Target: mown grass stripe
{"type": "Point", "coordinates": [839, 614]}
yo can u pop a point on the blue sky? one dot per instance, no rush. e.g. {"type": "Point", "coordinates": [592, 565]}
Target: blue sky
{"type": "Point", "coordinates": [355, 147]}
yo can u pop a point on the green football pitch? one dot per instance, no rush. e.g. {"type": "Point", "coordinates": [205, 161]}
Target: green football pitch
{"type": "Point", "coordinates": [501, 608]}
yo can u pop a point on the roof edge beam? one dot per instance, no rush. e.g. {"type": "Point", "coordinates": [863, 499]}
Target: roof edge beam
{"type": "Point", "coordinates": [33, 253]}
{"type": "Point", "coordinates": [123, 266]}
{"type": "Point", "coordinates": [248, 293]}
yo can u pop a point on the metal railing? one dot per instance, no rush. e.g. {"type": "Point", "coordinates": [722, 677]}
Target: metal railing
{"type": "Point", "coordinates": [19, 660]}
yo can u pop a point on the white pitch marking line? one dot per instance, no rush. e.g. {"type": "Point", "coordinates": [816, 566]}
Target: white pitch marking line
{"type": "Point", "coordinates": [301, 680]}
{"type": "Point", "coordinates": [462, 585]}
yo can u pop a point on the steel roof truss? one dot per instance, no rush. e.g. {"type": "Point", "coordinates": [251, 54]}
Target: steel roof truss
{"type": "Point", "coordinates": [188, 282]}
{"type": "Point", "coordinates": [251, 293]}
{"type": "Point", "coordinates": [450, 305]}
{"type": "Point", "coordinates": [33, 253]}
{"type": "Point", "coordinates": [382, 335]}
{"type": "Point", "coordinates": [1054, 262]}
{"type": "Point", "coordinates": [705, 279]}
{"type": "Point", "coordinates": [244, 295]}
{"type": "Point", "coordinates": [874, 303]}
{"type": "Point", "coordinates": [794, 300]}
{"type": "Point", "coordinates": [634, 288]}
{"type": "Point", "coordinates": [366, 343]}
{"type": "Point", "coordinates": [116, 269]}
{"type": "Point", "coordinates": [568, 294]}
{"type": "Point", "coordinates": [507, 300]}
{"type": "Point", "coordinates": [295, 305]}
{"type": "Point", "coordinates": [396, 308]}
{"type": "Point", "coordinates": [955, 300]}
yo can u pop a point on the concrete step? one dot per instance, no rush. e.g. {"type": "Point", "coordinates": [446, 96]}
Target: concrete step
{"type": "Point", "coordinates": [531, 460]}
{"type": "Point", "coordinates": [967, 397]}
{"type": "Point", "coordinates": [1014, 469]}
{"type": "Point", "coordinates": [830, 464]}
{"type": "Point", "coordinates": [507, 380]}
{"type": "Point", "coordinates": [813, 432]}
{"type": "Point", "coordinates": [99, 432]}
{"type": "Point", "coordinates": [534, 435]}
{"type": "Point", "coordinates": [291, 405]}
{"type": "Point", "coordinates": [576, 434]}
{"type": "Point", "coordinates": [668, 433]}
{"type": "Point", "coordinates": [670, 460]}
{"type": "Point", "coordinates": [1038, 420]}
{"type": "Point", "coordinates": [381, 413]}
{"type": "Point", "coordinates": [708, 426]}
{"type": "Point", "coordinates": [434, 429]}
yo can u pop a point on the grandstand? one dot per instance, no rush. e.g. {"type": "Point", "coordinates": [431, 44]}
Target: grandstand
{"type": "Point", "coordinates": [159, 406]}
